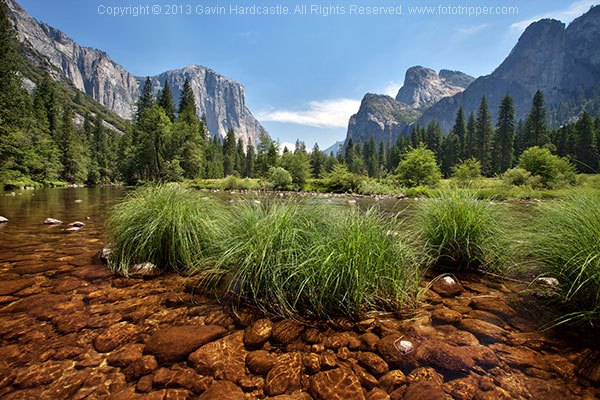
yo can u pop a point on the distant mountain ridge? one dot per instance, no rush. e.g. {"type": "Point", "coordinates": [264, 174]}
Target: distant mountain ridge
{"type": "Point", "coordinates": [92, 71]}
{"type": "Point", "coordinates": [386, 118]}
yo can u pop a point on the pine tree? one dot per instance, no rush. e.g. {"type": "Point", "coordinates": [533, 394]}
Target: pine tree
{"type": "Point", "coordinates": [536, 131]}
{"type": "Point", "coordinates": [146, 99]}
{"type": "Point", "coordinates": [165, 100]}
{"type": "Point", "coordinates": [433, 139]}
{"type": "Point", "coordinates": [470, 140]}
{"type": "Point", "coordinates": [460, 130]}
{"type": "Point", "coordinates": [214, 159]}
{"type": "Point", "coordinates": [317, 161]}
{"type": "Point", "coordinates": [187, 101]}
{"type": "Point", "coordinates": [371, 158]}
{"type": "Point", "coordinates": [14, 100]}
{"type": "Point", "coordinates": [74, 163]}
{"type": "Point", "coordinates": [229, 153]}
{"type": "Point", "coordinates": [483, 137]}
{"type": "Point", "coordinates": [586, 156]}
{"type": "Point", "coordinates": [382, 157]}
{"type": "Point", "coordinates": [450, 153]}
{"type": "Point", "coordinates": [250, 161]}
{"type": "Point", "coordinates": [504, 139]}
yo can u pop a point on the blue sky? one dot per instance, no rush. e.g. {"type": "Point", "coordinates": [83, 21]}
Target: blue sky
{"type": "Point", "coordinates": [304, 74]}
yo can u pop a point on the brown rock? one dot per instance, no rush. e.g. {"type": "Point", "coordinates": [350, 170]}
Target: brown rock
{"type": "Point", "coordinates": [258, 333]}
{"type": "Point", "coordinates": [494, 305]}
{"type": "Point", "coordinates": [429, 390]}
{"type": "Point", "coordinates": [445, 316]}
{"type": "Point", "coordinates": [223, 359]}
{"type": "Point", "coordinates": [286, 376]}
{"type": "Point", "coordinates": [366, 380]}
{"type": "Point", "coordinates": [369, 341]}
{"type": "Point", "coordinates": [174, 344]}
{"type": "Point", "coordinates": [125, 355]}
{"type": "Point", "coordinates": [116, 335]}
{"type": "Point", "coordinates": [72, 322]}
{"type": "Point", "coordinates": [312, 362]}
{"type": "Point", "coordinates": [378, 394]}
{"type": "Point", "coordinates": [588, 365]}
{"type": "Point", "coordinates": [373, 363]}
{"type": "Point", "coordinates": [447, 287]}
{"type": "Point", "coordinates": [144, 385]}
{"type": "Point", "coordinates": [223, 390]}
{"type": "Point", "coordinates": [392, 380]}
{"type": "Point", "coordinates": [425, 374]}
{"type": "Point", "coordinates": [336, 384]}
{"type": "Point", "coordinates": [337, 340]}
{"type": "Point", "coordinates": [140, 367]}
{"type": "Point", "coordinates": [461, 338]}
{"type": "Point", "coordinates": [260, 362]}
{"type": "Point", "coordinates": [485, 332]}
{"type": "Point", "coordinates": [516, 356]}
{"type": "Point", "coordinates": [13, 286]}
{"type": "Point", "coordinates": [462, 388]}
{"type": "Point", "coordinates": [483, 356]}
{"type": "Point", "coordinates": [441, 355]}
{"type": "Point", "coordinates": [185, 378]}
{"type": "Point", "coordinates": [392, 352]}
{"type": "Point", "coordinates": [286, 331]}
{"type": "Point", "coordinates": [38, 374]}
{"type": "Point", "coordinates": [487, 317]}
{"type": "Point", "coordinates": [293, 396]}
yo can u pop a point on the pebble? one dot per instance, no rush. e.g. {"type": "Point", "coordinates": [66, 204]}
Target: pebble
{"type": "Point", "coordinates": [3, 219]}
{"type": "Point", "coordinates": [52, 221]}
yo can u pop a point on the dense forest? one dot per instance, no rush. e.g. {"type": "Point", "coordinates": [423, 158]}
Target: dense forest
{"type": "Point", "coordinates": [50, 136]}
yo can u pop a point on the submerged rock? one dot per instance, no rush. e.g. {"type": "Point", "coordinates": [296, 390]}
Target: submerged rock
{"type": "Point", "coordinates": [447, 287]}
{"type": "Point", "coordinates": [77, 224]}
{"type": "Point", "coordinates": [52, 221]}
{"type": "Point", "coordinates": [176, 343]}
{"type": "Point", "coordinates": [73, 229]}
{"type": "Point", "coordinates": [146, 269]}
{"type": "Point", "coordinates": [336, 384]}
{"type": "Point", "coordinates": [105, 254]}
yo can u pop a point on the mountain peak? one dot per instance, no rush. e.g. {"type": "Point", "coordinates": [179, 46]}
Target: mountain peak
{"type": "Point", "coordinates": [423, 87]}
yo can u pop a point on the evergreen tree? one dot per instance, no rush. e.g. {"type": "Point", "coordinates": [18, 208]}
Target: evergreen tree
{"type": "Point", "coordinates": [460, 130]}
{"type": "Point", "coordinates": [250, 161]}
{"type": "Point", "coordinates": [451, 152]}
{"type": "Point", "coordinates": [371, 158]}
{"type": "Point", "coordinates": [317, 161]}
{"type": "Point", "coordinates": [165, 100]}
{"type": "Point", "coordinates": [433, 139]}
{"type": "Point", "coordinates": [146, 99]}
{"type": "Point", "coordinates": [536, 131]}
{"type": "Point", "coordinates": [483, 137]}
{"type": "Point", "coordinates": [187, 101]}
{"type": "Point", "coordinates": [214, 159]}
{"type": "Point", "coordinates": [154, 134]}
{"type": "Point", "coordinates": [504, 139]}
{"type": "Point", "coordinates": [586, 156]}
{"type": "Point", "coordinates": [74, 163]}
{"type": "Point", "coordinates": [382, 157]}
{"type": "Point", "coordinates": [470, 140]}
{"type": "Point", "coordinates": [229, 153]}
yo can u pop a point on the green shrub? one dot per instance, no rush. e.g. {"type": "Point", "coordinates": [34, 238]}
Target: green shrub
{"type": "Point", "coordinates": [552, 170]}
{"type": "Point", "coordinates": [294, 259]}
{"type": "Point", "coordinates": [517, 177]}
{"type": "Point", "coordinates": [462, 232]}
{"type": "Point", "coordinates": [567, 244]}
{"type": "Point", "coordinates": [340, 180]}
{"type": "Point", "coordinates": [418, 167]}
{"type": "Point", "coordinates": [279, 178]}
{"type": "Point", "coordinates": [467, 172]}
{"type": "Point", "coordinates": [169, 226]}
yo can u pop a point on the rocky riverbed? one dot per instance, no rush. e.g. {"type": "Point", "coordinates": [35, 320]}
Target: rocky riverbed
{"type": "Point", "coordinates": [69, 329]}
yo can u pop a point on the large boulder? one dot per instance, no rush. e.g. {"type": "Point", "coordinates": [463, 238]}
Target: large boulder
{"type": "Point", "coordinates": [176, 343]}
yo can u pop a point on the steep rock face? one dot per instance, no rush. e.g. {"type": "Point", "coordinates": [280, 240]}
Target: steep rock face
{"type": "Point", "coordinates": [560, 62]}
{"type": "Point", "coordinates": [423, 87]}
{"type": "Point", "coordinates": [92, 71]}
{"type": "Point", "coordinates": [386, 118]}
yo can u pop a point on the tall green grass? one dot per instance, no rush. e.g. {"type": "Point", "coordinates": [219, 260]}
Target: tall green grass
{"type": "Point", "coordinates": [567, 244]}
{"type": "Point", "coordinates": [169, 226]}
{"type": "Point", "coordinates": [460, 231]}
{"type": "Point", "coordinates": [291, 258]}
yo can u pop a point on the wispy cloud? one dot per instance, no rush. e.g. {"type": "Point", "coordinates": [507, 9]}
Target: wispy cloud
{"type": "Point", "coordinates": [568, 14]}
{"type": "Point", "coordinates": [471, 30]}
{"type": "Point", "coordinates": [329, 113]}
{"type": "Point", "coordinates": [392, 88]}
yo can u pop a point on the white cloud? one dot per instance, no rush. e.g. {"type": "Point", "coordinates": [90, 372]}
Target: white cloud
{"type": "Point", "coordinates": [290, 146]}
{"type": "Point", "coordinates": [328, 113]}
{"type": "Point", "coordinates": [471, 30]}
{"type": "Point", "coordinates": [568, 14]}
{"type": "Point", "coordinates": [392, 88]}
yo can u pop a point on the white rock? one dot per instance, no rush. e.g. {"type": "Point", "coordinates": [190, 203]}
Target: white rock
{"type": "Point", "coordinates": [404, 346]}
{"type": "Point", "coordinates": [448, 280]}
{"type": "Point", "coordinates": [105, 254]}
{"type": "Point", "coordinates": [52, 221]}
{"type": "Point", "coordinates": [144, 269]}
{"type": "Point", "coordinates": [351, 201]}
{"type": "Point", "coordinates": [547, 281]}
{"type": "Point", "coordinates": [78, 201]}
{"type": "Point", "coordinates": [3, 219]}
{"type": "Point", "coordinates": [73, 229]}
{"type": "Point", "coordinates": [77, 224]}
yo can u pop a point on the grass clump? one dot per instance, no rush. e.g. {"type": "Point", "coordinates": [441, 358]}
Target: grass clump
{"type": "Point", "coordinates": [462, 232]}
{"type": "Point", "coordinates": [169, 226]}
{"type": "Point", "coordinates": [567, 243]}
{"type": "Point", "coordinates": [291, 259]}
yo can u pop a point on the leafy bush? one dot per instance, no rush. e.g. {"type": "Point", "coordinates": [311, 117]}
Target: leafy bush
{"type": "Point", "coordinates": [418, 167]}
{"type": "Point", "coordinates": [340, 180]}
{"type": "Point", "coordinates": [467, 172]}
{"type": "Point", "coordinates": [567, 245]}
{"type": "Point", "coordinates": [297, 259]}
{"type": "Point", "coordinates": [552, 170]}
{"type": "Point", "coordinates": [462, 232]}
{"type": "Point", "coordinates": [517, 177]}
{"type": "Point", "coordinates": [168, 226]}
{"type": "Point", "coordinates": [279, 178]}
